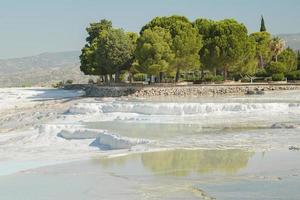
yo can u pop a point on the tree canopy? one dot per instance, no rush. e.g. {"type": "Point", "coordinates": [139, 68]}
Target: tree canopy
{"type": "Point", "coordinates": [89, 63]}
{"type": "Point", "coordinates": [225, 43]}
{"type": "Point", "coordinates": [173, 45]}
{"type": "Point", "coordinates": [289, 59]}
{"type": "Point", "coordinates": [114, 50]}
{"type": "Point", "coordinates": [185, 41]}
{"type": "Point", "coordinates": [154, 51]}
{"type": "Point", "coordinates": [108, 50]}
{"type": "Point", "coordinates": [263, 51]}
{"type": "Point", "coordinates": [298, 59]}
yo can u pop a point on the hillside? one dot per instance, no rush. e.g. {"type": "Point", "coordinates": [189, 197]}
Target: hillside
{"type": "Point", "coordinates": [292, 40]}
{"type": "Point", "coordinates": [43, 69]}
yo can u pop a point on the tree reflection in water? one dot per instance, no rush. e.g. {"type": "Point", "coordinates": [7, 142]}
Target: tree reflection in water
{"type": "Point", "coordinates": [185, 162]}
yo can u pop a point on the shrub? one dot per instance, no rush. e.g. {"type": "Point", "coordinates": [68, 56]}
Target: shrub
{"type": "Point", "coordinates": [292, 75]}
{"type": "Point", "coordinates": [69, 82]}
{"type": "Point", "coordinates": [139, 77]}
{"type": "Point", "coordinates": [276, 68]}
{"type": "Point", "coordinates": [59, 84]}
{"type": "Point", "coordinates": [218, 78]}
{"type": "Point", "coordinates": [123, 77]}
{"type": "Point", "coordinates": [208, 77]}
{"type": "Point", "coordinates": [26, 85]}
{"type": "Point", "coordinates": [246, 79]}
{"type": "Point", "coordinates": [278, 77]}
{"type": "Point", "coordinates": [261, 73]}
{"type": "Point", "coordinates": [298, 74]}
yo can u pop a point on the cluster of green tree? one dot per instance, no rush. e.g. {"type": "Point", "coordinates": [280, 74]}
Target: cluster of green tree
{"type": "Point", "coordinates": [168, 47]}
{"type": "Point", "coordinates": [108, 51]}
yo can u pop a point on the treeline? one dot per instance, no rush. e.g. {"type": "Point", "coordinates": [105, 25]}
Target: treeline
{"type": "Point", "coordinates": [171, 48]}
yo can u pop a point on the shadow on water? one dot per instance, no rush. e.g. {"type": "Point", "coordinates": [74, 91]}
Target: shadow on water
{"type": "Point", "coordinates": [185, 162]}
{"type": "Point", "coordinates": [53, 94]}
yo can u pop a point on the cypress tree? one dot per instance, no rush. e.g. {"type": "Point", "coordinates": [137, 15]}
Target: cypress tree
{"type": "Point", "coordinates": [262, 25]}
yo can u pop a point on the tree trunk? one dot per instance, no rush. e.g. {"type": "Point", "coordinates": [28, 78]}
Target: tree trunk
{"type": "Point", "coordinates": [161, 77]}
{"type": "Point", "coordinates": [111, 78]}
{"type": "Point", "coordinates": [202, 74]}
{"type": "Point", "coordinates": [177, 75]}
{"type": "Point", "coordinates": [225, 73]}
{"type": "Point", "coordinates": [106, 78]}
{"type": "Point", "coordinates": [117, 76]}
{"type": "Point", "coordinates": [130, 77]}
{"type": "Point", "coordinates": [261, 61]}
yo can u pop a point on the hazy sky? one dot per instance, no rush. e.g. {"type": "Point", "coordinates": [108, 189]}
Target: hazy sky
{"type": "Point", "coordinates": [29, 27]}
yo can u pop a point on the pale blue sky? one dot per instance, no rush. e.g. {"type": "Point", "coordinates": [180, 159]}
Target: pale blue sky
{"type": "Point", "coordinates": [34, 26]}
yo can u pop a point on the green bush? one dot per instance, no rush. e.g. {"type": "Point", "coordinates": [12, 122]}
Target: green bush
{"type": "Point", "coordinates": [69, 82]}
{"type": "Point", "coordinates": [276, 68]}
{"type": "Point", "coordinates": [139, 77]}
{"type": "Point", "coordinates": [261, 73]}
{"type": "Point", "coordinates": [298, 74]}
{"type": "Point", "coordinates": [212, 78]}
{"type": "Point", "coordinates": [292, 75]}
{"type": "Point", "coordinates": [59, 84]}
{"type": "Point", "coordinates": [278, 77]}
{"type": "Point", "coordinates": [246, 79]}
{"type": "Point", "coordinates": [218, 78]}
{"type": "Point", "coordinates": [123, 77]}
{"type": "Point", "coordinates": [208, 77]}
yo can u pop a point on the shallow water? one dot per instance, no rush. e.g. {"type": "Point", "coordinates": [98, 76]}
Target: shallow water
{"type": "Point", "coordinates": [173, 174]}
{"type": "Point", "coordinates": [171, 148]}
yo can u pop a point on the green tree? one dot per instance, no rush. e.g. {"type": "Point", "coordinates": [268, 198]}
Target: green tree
{"type": "Point", "coordinates": [154, 51]}
{"type": "Point", "coordinates": [96, 28]}
{"type": "Point", "coordinates": [262, 25]}
{"type": "Point", "coordinates": [89, 64]}
{"type": "Point", "coordinates": [108, 50]}
{"type": "Point", "coordinates": [186, 41]}
{"type": "Point", "coordinates": [276, 68]}
{"type": "Point", "coordinates": [204, 27]}
{"type": "Point", "coordinates": [298, 60]}
{"type": "Point", "coordinates": [289, 58]}
{"type": "Point", "coordinates": [115, 51]}
{"type": "Point", "coordinates": [263, 51]}
{"type": "Point", "coordinates": [247, 65]}
{"type": "Point", "coordinates": [227, 44]}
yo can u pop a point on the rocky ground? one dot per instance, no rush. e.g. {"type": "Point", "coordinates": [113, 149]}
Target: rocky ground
{"type": "Point", "coordinates": [193, 90]}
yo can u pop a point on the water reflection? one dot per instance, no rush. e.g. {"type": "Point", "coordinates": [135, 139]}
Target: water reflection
{"type": "Point", "coordinates": [185, 162]}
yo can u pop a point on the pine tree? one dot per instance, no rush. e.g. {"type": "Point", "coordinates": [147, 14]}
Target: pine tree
{"type": "Point", "coordinates": [262, 25]}
{"type": "Point", "coordinates": [298, 60]}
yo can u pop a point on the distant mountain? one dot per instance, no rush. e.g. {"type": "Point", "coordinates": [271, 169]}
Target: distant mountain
{"type": "Point", "coordinates": [292, 40]}
{"type": "Point", "coordinates": [39, 70]}
{"type": "Point", "coordinates": [41, 61]}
